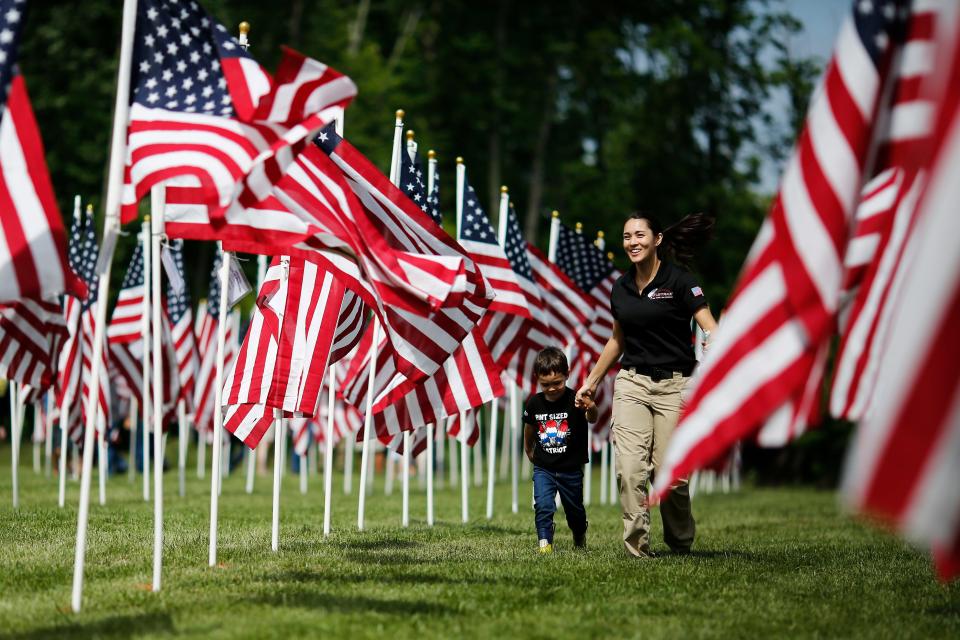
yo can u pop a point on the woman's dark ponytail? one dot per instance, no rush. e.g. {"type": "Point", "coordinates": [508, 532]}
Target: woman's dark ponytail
{"type": "Point", "coordinates": [681, 239]}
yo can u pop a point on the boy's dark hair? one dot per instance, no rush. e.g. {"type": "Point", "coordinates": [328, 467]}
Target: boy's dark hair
{"type": "Point", "coordinates": [550, 360]}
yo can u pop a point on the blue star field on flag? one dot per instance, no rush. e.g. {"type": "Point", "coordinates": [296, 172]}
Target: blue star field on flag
{"type": "Point", "coordinates": [134, 275]}
{"type": "Point", "coordinates": [413, 181]}
{"type": "Point", "coordinates": [179, 302]}
{"type": "Point", "coordinates": [577, 257]}
{"type": "Point", "coordinates": [475, 225]}
{"type": "Point", "coordinates": [11, 19]}
{"type": "Point", "coordinates": [87, 254]}
{"type": "Point", "coordinates": [213, 298]}
{"type": "Point", "coordinates": [516, 247]}
{"type": "Point", "coordinates": [878, 22]}
{"type": "Point", "coordinates": [176, 61]}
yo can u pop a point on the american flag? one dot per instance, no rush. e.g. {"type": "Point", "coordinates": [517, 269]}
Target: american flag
{"type": "Point", "coordinates": [33, 246]}
{"type": "Point", "coordinates": [180, 318]}
{"type": "Point", "coordinates": [514, 340]}
{"type": "Point", "coordinates": [594, 274]}
{"type": "Point", "coordinates": [31, 334]}
{"type": "Point", "coordinates": [885, 214]}
{"type": "Point", "coordinates": [568, 310]}
{"type": "Point", "coordinates": [433, 199]}
{"type": "Point", "coordinates": [302, 313]}
{"type": "Point", "coordinates": [206, 116]}
{"type": "Point", "coordinates": [126, 323]}
{"type": "Point", "coordinates": [413, 180]}
{"type": "Point", "coordinates": [68, 364]}
{"type": "Point", "coordinates": [208, 318]}
{"type": "Point", "coordinates": [424, 288]}
{"type": "Point", "coordinates": [902, 467]}
{"type": "Point", "coordinates": [89, 252]}
{"type": "Point", "coordinates": [784, 308]}
{"type": "Point", "coordinates": [478, 237]}
{"type": "Point", "coordinates": [468, 379]}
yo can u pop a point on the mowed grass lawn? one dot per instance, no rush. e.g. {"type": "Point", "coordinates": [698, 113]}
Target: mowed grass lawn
{"type": "Point", "coordinates": [767, 562]}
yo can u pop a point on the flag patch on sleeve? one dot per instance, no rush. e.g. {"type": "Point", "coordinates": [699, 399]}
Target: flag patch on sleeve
{"type": "Point", "coordinates": [696, 291]}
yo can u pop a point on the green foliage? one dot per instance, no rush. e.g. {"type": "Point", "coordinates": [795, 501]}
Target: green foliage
{"type": "Point", "coordinates": [767, 563]}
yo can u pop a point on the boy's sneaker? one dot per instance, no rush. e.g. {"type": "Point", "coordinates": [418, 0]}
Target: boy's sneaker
{"type": "Point", "coordinates": [545, 547]}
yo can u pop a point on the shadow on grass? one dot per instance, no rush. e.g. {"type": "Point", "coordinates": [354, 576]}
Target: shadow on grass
{"type": "Point", "coordinates": [115, 627]}
{"type": "Point", "coordinates": [378, 545]}
{"type": "Point", "coordinates": [304, 599]}
{"type": "Point", "coordinates": [403, 578]}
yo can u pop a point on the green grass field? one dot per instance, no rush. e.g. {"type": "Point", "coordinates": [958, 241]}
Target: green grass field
{"type": "Point", "coordinates": [770, 562]}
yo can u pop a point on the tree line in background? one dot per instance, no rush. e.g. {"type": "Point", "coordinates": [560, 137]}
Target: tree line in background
{"type": "Point", "coordinates": [594, 110]}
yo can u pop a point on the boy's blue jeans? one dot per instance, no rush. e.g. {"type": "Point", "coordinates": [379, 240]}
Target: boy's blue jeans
{"type": "Point", "coordinates": [546, 484]}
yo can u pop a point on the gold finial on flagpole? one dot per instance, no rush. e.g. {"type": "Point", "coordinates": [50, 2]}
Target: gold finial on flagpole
{"type": "Point", "coordinates": [89, 209]}
{"type": "Point", "coordinates": [555, 214]}
{"type": "Point", "coordinates": [410, 135]}
{"type": "Point", "coordinates": [146, 217]}
{"type": "Point", "coordinates": [503, 189]}
{"type": "Point", "coordinates": [400, 114]}
{"type": "Point", "coordinates": [579, 227]}
{"type": "Point", "coordinates": [244, 29]}
{"type": "Point", "coordinates": [431, 155]}
{"type": "Point", "coordinates": [599, 235]}
{"type": "Point", "coordinates": [459, 160]}
{"type": "Point", "coordinates": [610, 256]}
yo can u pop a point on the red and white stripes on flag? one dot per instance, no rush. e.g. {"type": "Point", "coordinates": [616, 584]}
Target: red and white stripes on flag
{"type": "Point", "coordinates": [68, 369]}
{"type": "Point", "coordinates": [126, 323]}
{"type": "Point", "coordinates": [765, 357]}
{"type": "Point", "coordinates": [33, 245]}
{"type": "Point", "coordinates": [206, 331]}
{"type": "Point", "coordinates": [902, 466]}
{"type": "Point", "coordinates": [205, 114]}
{"type": "Point", "coordinates": [302, 312]}
{"type": "Point", "coordinates": [31, 334]}
{"type": "Point", "coordinates": [568, 309]}
{"type": "Point", "coordinates": [468, 379]}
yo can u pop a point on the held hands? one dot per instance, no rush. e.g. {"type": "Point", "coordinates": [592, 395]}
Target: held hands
{"type": "Point", "coordinates": [584, 397]}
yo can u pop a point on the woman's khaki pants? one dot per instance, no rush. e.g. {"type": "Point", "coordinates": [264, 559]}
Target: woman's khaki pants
{"type": "Point", "coordinates": [645, 414]}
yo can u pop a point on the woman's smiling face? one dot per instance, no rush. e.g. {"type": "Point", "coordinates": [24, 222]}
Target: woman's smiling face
{"type": "Point", "coordinates": [638, 240]}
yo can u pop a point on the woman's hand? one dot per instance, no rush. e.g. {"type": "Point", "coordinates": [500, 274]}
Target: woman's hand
{"type": "Point", "coordinates": [585, 395]}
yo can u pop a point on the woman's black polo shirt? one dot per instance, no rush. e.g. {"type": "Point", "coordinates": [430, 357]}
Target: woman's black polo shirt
{"type": "Point", "coordinates": [656, 321]}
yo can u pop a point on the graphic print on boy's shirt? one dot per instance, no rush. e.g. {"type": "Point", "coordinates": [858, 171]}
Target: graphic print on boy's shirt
{"type": "Point", "coordinates": [552, 429]}
{"type": "Point", "coordinates": [559, 431]}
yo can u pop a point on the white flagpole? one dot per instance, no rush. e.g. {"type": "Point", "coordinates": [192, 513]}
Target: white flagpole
{"type": "Point", "coordinates": [368, 415]}
{"type": "Point", "coordinates": [157, 203]}
{"type": "Point", "coordinates": [201, 455]}
{"type": "Point", "coordinates": [431, 428]}
{"type": "Point", "coordinates": [111, 227]}
{"type": "Point", "coordinates": [146, 412]}
{"type": "Point", "coordinates": [612, 492]}
{"type": "Point", "coordinates": [215, 474]}
{"type": "Point", "coordinates": [252, 453]}
{"type": "Point", "coordinates": [182, 447]}
{"type": "Point", "coordinates": [328, 451]}
{"type": "Point", "coordinates": [405, 467]}
{"type": "Point", "coordinates": [464, 458]}
{"type": "Point", "coordinates": [277, 477]}
{"type": "Point", "coordinates": [388, 468]}
{"type": "Point", "coordinates": [429, 454]}
{"type": "Point", "coordinates": [304, 462]}
{"type": "Point", "coordinates": [514, 445]}
{"type": "Point", "coordinates": [48, 435]}
{"type": "Point", "coordinates": [64, 444]}
{"type": "Point", "coordinates": [101, 459]}
{"type": "Point", "coordinates": [132, 445]}
{"type": "Point", "coordinates": [495, 404]}
{"type": "Point", "coordinates": [15, 440]}
{"type": "Point", "coordinates": [35, 438]}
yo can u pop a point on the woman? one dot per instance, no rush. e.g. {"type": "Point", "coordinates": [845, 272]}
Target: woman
{"type": "Point", "coordinates": [652, 304]}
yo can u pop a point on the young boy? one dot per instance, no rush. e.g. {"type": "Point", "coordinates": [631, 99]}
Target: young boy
{"type": "Point", "coordinates": [555, 441]}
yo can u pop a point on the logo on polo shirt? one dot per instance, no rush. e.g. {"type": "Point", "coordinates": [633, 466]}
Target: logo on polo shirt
{"type": "Point", "coordinates": [660, 294]}
{"type": "Point", "coordinates": [696, 291]}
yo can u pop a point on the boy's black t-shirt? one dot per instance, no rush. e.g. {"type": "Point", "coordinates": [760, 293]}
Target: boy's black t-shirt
{"type": "Point", "coordinates": [561, 430]}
